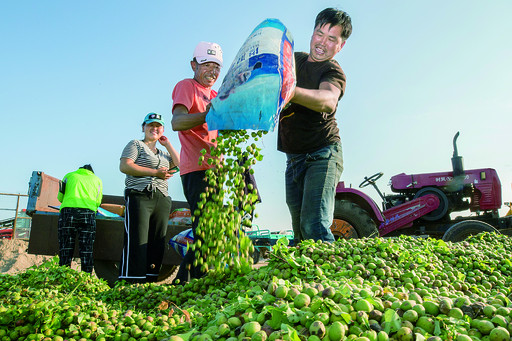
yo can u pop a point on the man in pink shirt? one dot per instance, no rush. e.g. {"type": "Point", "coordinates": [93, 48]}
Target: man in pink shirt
{"type": "Point", "coordinates": [191, 102]}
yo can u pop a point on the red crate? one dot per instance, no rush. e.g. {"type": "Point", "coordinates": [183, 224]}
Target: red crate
{"type": "Point", "coordinates": [5, 233]}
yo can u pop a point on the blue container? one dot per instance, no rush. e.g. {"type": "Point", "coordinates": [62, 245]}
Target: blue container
{"type": "Point", "coordinates": [258, 83]}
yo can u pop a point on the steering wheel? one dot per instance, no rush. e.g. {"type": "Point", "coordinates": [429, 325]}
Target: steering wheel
{"type": "Point", "coordinates": [370, 180]}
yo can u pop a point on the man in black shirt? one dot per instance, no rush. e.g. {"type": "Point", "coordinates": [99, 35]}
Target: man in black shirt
{"type": "Point", "coordinates": [308, 132]}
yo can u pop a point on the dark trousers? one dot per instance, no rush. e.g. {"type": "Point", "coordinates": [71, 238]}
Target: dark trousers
{"type": "Point", "coordinates": [145, 227]}
{"type": "Point", "coordinates": [74, 220]}
{"type": "Point", "coordinates": [194, 184]}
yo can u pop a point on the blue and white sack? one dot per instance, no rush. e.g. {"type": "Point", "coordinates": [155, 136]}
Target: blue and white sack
{"type": "Point", "coordinates": [180, 241]}
{"type": "Point", "coordinates": [258, 83]}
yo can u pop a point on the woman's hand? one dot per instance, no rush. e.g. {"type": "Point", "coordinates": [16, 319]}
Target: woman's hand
{"type": "Point", "coordinates": [163, 173]}
{"type": "Point", "coordinates": [164, 141]}
{"type": "Point", "coordinates": [174, 170]}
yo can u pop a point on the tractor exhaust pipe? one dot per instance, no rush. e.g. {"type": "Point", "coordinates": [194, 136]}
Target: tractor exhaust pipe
{"type": "Point", "coordinates": [457, 162]}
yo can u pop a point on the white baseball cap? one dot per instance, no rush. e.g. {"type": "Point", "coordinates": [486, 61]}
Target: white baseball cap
{"type": "Point", "coordinates": [208, 52]}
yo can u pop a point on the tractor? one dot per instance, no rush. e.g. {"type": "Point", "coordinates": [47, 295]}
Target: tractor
{"type": "Point", "coordinates": [423, 205]}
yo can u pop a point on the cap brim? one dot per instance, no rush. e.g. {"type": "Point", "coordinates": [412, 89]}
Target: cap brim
{"type": "Point", "coordinates": [202, 60]}
{"type": "Point", "coordinates": [157, 121]}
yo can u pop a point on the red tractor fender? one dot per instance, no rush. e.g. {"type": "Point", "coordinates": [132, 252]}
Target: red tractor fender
{"type": "Point", "coordinates": [361, 199]}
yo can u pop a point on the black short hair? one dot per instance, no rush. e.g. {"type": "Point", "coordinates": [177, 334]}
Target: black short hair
{"type": "Point", "coordinates": [88, 167]}
{"type": "Point", "coordinates": [335, 17]}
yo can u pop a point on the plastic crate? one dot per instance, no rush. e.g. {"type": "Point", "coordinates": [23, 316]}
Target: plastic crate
{"type": "Point", "coordinates": [22, 233]}
{"type": "Point", "coordinates": [258, 234]}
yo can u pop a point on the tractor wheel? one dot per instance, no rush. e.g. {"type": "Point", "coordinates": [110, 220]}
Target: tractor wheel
{"type": "Point", "coordinates": [351, 221]}
{"type": "Point", "coordinates": [109, 271]}
{"type": "Point", "coordinates": [461, 230]}
{"type": "Point", "coordinates": [439, 212]}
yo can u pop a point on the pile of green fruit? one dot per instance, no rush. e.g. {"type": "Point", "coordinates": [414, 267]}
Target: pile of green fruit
{"type": "Point", "coordinates": [359, 289]}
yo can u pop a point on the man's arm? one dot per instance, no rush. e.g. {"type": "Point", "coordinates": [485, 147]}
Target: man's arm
{"type": "Point", "coordinates": [323, 99]}
{"type": "Point", "coordinates": [182, 120]}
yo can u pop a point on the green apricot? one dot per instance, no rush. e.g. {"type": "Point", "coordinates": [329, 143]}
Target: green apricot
{"type": "Point", "coordinates": [410, 315]}
{"type": "Point", "coordinates": [317, 328]}
{"type": "Point", "coordinates": [431, 308]}
{"type": "Point", "coordinates": [499, 334]}
{"type": "Point", "coordinates": [301, 300]}
{"type": "Point", "coordinates": [251, 328]}
{"type": "Point", "coordinates": [426, 323]}
{"type": "Point", "coordinates": [404, 334]}
{"type": "Point", "coordinates": [484, 326]}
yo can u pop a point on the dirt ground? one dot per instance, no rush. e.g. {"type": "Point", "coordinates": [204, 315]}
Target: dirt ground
{"type": "Point", "coordinates": [14, 257]}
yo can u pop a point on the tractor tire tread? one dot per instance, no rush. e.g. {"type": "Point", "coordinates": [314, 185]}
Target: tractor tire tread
{"type": "Point", "coordinates": [357, 217]}
{"type": "Point", "coordinates": [463, 229]}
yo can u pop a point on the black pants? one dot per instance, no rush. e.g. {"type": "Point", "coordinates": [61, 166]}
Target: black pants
{"type": "Point", "coordinates": [74, 220]}
{"type": "Point", "coordinates": [145, 227]}
{"type": "Point", "coordinates": [194, 184]}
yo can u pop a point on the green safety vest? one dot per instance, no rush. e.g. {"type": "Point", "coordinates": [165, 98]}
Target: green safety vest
{"type": "Point", "coordinates": [82, 189]}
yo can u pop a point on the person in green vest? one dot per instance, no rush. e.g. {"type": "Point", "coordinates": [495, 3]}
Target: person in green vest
{"type": "Point", "coordinates": [80, 193]}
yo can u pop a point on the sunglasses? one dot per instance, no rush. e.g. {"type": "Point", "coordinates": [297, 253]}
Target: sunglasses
{"type": "Point", "coordinates": [154, 116]}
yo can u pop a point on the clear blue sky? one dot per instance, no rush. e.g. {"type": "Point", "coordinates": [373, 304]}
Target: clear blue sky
{"type": "Point", "coordinates": [77, 78]}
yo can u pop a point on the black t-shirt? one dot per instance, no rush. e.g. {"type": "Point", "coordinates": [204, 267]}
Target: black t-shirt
{"type": "Point", "coordinates": [302, 130]}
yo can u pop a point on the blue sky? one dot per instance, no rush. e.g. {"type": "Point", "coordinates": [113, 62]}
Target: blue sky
{"type": "Point", "coordinates": [77, 78]}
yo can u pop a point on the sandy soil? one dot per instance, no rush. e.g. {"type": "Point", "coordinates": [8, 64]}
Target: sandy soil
{"type": "Point", "coordinates": [14, 257]}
